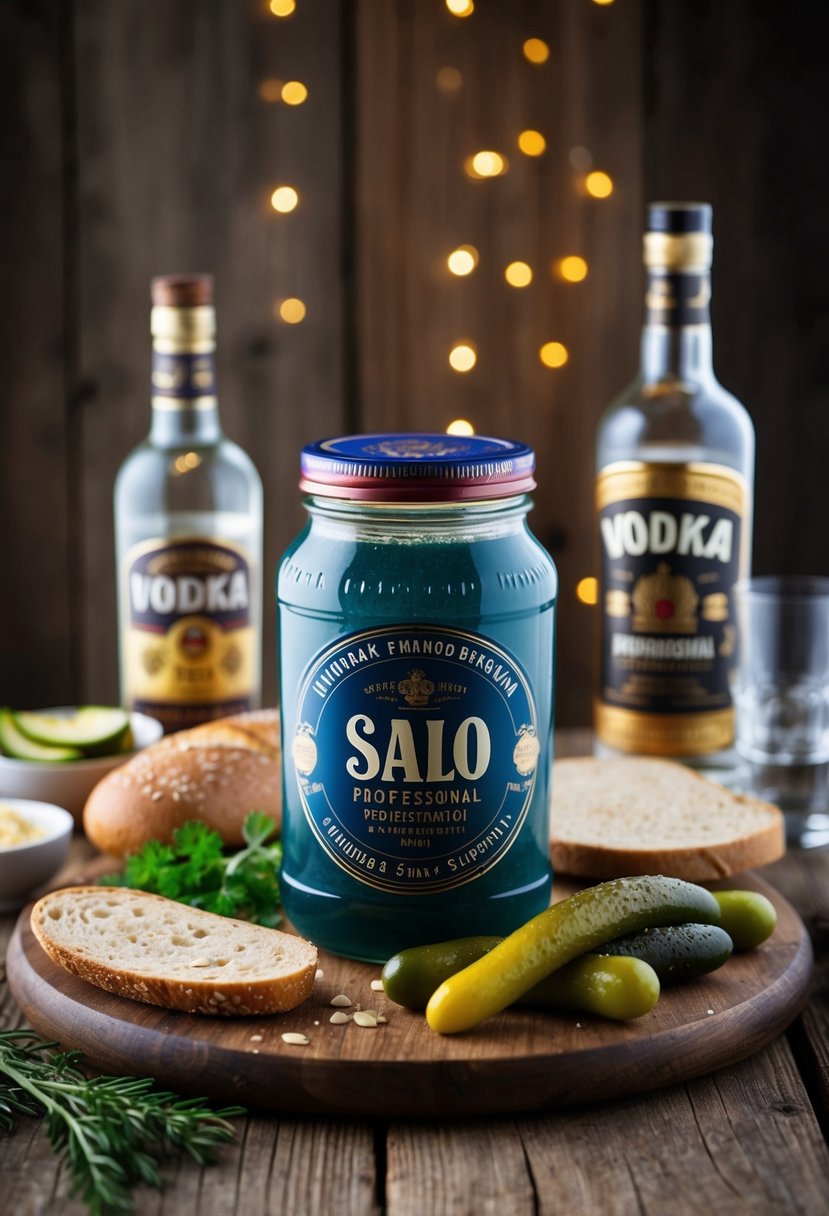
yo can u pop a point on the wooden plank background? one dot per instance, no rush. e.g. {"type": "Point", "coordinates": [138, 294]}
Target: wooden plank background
{"type": "Point", "coordinates": [136, 140]}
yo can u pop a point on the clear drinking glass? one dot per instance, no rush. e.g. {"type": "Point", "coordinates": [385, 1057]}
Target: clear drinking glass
{"type": "Point", "coordinates": [781, 695]}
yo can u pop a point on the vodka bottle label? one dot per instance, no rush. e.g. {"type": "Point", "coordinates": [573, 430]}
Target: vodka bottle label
{"type": "Point", "coordinates": [189, 644]}
{"type": "Point", "coordinates": [671, 540]}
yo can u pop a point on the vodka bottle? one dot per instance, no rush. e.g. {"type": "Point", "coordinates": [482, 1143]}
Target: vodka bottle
{"type": "Point", "coordinates": [675, 471]}
{"type": "Point", "coordinates": [188, 530]}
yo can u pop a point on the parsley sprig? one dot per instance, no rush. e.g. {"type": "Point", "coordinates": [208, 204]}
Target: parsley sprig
{"type": "Point", "coordinates": [196, 870]}
{"type": "Point", "coordinates": [112, 1131]}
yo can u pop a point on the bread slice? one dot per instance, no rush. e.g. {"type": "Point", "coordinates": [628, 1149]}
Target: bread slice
{"type": "Point", "coordinates": [216, 772]}
{"type": "Point", "coordinates": [165, 953]}
{"type": "Point", "coordinates": [632, 815]}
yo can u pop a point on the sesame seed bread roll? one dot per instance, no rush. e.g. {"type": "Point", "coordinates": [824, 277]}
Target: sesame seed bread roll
{"type": "Point", "coordinates": [155, 950]}
{"type": "Point", "coordinates": [217, 772]}
{"type": "Point", "coordinates": [616, 817]}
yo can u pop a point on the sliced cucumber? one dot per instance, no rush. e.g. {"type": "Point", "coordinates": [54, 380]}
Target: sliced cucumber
{"type": "Point", "coordinates": [15, 744]}
{"type": "Point", "coordinates": [95, 729]}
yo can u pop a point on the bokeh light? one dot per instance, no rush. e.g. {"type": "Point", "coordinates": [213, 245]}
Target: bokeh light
{"type": "Point", "coordinates": [581, 159]}
{"type": "Point", "coordinates": [271, 89]}
{"type": "Point", "coordinates": [186, 462]}
{"type": "Point", "coordinates": [486, 164]}
{"type": "Point", "coordinates": [294, 93]}
{"type": "Point", "coordinates": [463, 260]}
{"type": "Point", "coordinates": [461, 8]}
{"type": "Point", "coordinates": [587, 590]}
{"type": "Point", "coordinates": [536, 50]}
{"type": "Point", "coordinates": [518, 274]}
{"type": "Point", "coordinates": [554, 354]}
{"type": "Point", "coordinates": [284, 199]}
{"type": "Point", "coordinates": [599, 184]}
{"type": "Point", "coordinates": [460, 426]}
{"type": "Point", "coordinates": [448, 80]}
{"type": "Point", "coordinates": [572, 269]}
{"type": "Point", "coordinates": [282, 8]}
{"type": "Point", "coordinates": [532, 143]}
{"type": "Point", "coordinates": [463, 357]}
{"type": "Point", "coordinates": [291, 310]}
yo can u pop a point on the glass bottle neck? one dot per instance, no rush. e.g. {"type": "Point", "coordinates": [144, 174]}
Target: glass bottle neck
{"type": "Point", "coordinates": [176, 426]}
{"type": "Point", "coordinates": [676, 336]}
{"type": "Point", "coordinates": [185, 406]}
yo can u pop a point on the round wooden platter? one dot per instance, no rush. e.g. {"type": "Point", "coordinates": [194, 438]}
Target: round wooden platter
{"type": "Point", "coordinates": [521, 1060]}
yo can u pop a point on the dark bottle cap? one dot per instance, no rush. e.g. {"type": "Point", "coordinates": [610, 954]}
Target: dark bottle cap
{"type": "Point", "coordinates": [679, 218]}
{"type": "Point", "coordinates": [182, 290]}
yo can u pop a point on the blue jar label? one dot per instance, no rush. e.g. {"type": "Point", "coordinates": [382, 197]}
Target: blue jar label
{"type": "Point", "coordinates": [415, 752]}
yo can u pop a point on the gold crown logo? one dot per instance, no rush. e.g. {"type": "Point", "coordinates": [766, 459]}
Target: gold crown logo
{"type": "Point", "coordinates": [417, 689]}
{"type": "Point", "coordinates": [664, 603]}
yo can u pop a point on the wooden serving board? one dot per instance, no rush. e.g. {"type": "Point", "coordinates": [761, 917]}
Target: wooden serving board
{"type": "Point", "coordinates": [521, 1060]}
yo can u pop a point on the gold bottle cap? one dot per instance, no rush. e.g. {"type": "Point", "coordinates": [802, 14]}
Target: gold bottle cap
{"type": "Point", "coordinates": [183, 318]}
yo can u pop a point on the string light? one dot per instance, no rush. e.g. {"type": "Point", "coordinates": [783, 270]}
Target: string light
{"type": "Point", "coordinates": [486, 164]}
{"type": "Point", "coordinates": [554, 354]}
{"type": "Point", "coordinates": [284, 199]}
{"type": "Point", "coordinates": [463, 260]}
{"type": "Point", "coordinates": [460, 427]}
{"type": "Point", "coordinates": [449, 80]}
{"type": "Point", "coordinates": [572, 269]}
{"type": "Point", "coordinates": [270, 90]}
{"type": "Point", "coordinates": [587, 590]}
{"type": "Point", "coordinates": [518, 274]}
{"type": "Point", "coordinates": [291, 311]}
{"type": "Point", "coordinates": [294, 93]}
{"type": "Point", "coordinates": [282, 8]}
{"type": "Point", "coordinates": [532, 143]}
{"type": "Point", "coordinates": [536, 50]}
{"type": "Point", "coordinates": [600, 185]}
{"type": "Point", "coordinates": [463, 357]}
{"type": "Point", "coordinates": [460, 8]}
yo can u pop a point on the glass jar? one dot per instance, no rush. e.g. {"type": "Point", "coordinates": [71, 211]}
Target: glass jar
{"type": "Point", "coordinates": [416, 642]}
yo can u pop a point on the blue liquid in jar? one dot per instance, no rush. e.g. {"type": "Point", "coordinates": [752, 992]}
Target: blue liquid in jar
{"type": "Point", "coordinates": [376, 743]}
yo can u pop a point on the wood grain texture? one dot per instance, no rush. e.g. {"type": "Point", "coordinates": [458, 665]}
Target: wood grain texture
{"type": "Point", "coordinates": [177, 158]}
{"type": "Point", "coordinates": [720, 81]}
{"type": "Point", "coordinates": [521, 1060]}
{"type": "Point", "coordinates": [741, 1141]}
{"type": "Point", "coordinates": [414, 204]}
{"type": "Point", "coordinates": [36, 449]}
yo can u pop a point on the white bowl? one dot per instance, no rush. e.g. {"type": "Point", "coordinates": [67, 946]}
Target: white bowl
{"type": "Point", "coordinates": [25, 867]}
{"type": "Point", "coordinates": [69, 783]}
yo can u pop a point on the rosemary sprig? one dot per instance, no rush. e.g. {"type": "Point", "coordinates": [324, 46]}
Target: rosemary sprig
{"type": "Point", "coordinates": [112, 1131]}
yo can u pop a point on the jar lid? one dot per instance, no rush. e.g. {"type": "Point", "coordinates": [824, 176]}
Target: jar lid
{"type": "Point", "coordinates": [413, 467]}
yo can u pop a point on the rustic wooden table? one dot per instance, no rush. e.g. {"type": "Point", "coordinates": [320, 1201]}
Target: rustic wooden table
{"type": "Point", "coordinates": [751, 1138]}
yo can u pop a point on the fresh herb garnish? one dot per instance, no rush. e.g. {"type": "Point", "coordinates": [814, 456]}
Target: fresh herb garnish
{"type": "Point", "coordinates": [112, 1131]}
{"type": "Point", "coordinates": [195, 870]}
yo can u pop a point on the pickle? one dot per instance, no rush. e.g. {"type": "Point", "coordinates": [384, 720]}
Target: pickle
{"type": "Point", "coordinates": [612, 987]}
{"type": "Point", "coordinates": [676, 952]}
{"type": "Point", "coordinates": [747, 917]}
{"type": "Point", "coordinates": [411, 976]}
{"type": "Point", "coordinates": [560, 933]}
{"type": "Point", "coordinates": [619, 988]}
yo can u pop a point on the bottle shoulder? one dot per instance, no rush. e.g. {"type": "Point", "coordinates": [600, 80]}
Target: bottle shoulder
{"type": "Point", "coordinates": [218, 476]}
{"type": "Point", "coordinates": [678, 422]}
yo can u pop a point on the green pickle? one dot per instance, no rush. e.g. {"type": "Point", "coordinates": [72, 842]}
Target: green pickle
{"type": "Point", "coordinates": [549, 941]}
{"type": "Point", "coordinates": [747, 917]}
